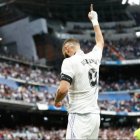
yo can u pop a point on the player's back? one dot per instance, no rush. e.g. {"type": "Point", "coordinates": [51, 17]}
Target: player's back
{"type": "Point", "coordinates": [83, 92]}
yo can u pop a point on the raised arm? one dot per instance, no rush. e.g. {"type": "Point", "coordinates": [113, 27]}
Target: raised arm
{"type": "Point", "coordinates": [98, 33]}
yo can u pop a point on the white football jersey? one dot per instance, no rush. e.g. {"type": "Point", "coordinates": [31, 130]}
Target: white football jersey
{"type": "Point", "coordinates": [82, 71]}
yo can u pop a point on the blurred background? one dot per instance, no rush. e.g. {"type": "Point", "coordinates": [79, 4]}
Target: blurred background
{"type": "Point", "coordinates": [31, 35]}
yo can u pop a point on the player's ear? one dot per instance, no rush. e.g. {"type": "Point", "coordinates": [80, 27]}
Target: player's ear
{"type": "Point", "coordinates": [67, 56]}
{"type": "Point", "coordinates": [66, 49]}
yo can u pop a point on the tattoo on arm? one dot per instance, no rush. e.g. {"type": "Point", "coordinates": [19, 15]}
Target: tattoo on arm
{"type": "Point", "coordinates": [59, 96]}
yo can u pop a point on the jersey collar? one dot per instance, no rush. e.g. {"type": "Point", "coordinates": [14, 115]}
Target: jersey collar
{"type": "Point", "coordinates": [79, 52]}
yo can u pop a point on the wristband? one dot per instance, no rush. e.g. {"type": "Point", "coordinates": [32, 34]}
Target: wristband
{"type": "Point", "coordinates": [95, 22]}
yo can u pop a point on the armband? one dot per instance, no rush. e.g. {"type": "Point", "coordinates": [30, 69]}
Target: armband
{"type": "Point", "coordinates": [66, 78]}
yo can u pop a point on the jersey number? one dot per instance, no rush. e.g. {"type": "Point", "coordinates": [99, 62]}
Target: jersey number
{"type": "Point", "coordinates": [92, 75]}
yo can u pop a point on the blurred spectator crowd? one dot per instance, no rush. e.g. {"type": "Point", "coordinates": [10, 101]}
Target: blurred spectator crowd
{"type": "Point", "coordinates": [120, 85]}
{"type": "Point", "coordinates": [31, 94]}
{"type": "Point", "coordinates": [116, 134]}
{"type": "Point", "coordinates": [25, 93]}
{"type": "Point", "coordinates": [31, 133]}
{"type": "Point", "coordinates": [45, 77]}
{"type": "Point", "coordinates": [39, 133]}
{"type": "Point", "coordinates": [116, 50]}
{"type": "Point", "coordinates": [33, 89]}
{"type": "Point", "coordinates": [124, 106]}
{"type": "Point", "coordinates": [28, 73]}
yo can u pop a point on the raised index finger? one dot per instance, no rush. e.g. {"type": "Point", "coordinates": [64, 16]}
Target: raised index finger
{"type": "Point", "coordinates": [91, 7]}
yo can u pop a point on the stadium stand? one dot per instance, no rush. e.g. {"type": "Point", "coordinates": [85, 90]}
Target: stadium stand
{"type": "Point", "coordinates": [24, 83]}
{"type": "Point", "coordinates": [27, 87]}
{"type": "Point", "coordinates": [32, 132]}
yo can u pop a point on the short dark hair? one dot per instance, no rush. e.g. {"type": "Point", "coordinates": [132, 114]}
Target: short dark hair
{"type": "Point", "coordinates": [74, 41]}
{"type": "Point", "coordinates": [71, 40]}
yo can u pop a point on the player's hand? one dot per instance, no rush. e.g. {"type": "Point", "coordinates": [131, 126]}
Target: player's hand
{"type": "Point", "coordinates": [58, 104]}
{"type": "Point", "coordinates": [92, 15]}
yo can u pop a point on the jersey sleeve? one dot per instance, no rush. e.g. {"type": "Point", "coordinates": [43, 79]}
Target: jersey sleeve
{"type": "Point", "coordinates": [97, 53]}
{"type": "Point", "coordinates": [67, 72]}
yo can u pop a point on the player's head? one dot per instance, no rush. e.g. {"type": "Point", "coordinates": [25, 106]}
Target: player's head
{"type": "Point", "coordinates": [70, 46]}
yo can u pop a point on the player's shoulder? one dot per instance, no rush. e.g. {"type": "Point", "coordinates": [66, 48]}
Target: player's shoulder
{"type": "Point", "coordinates": [70, 59]}
{"type": "Point", "coordinates": [67, 61]}
{"type": "Point", "coordinates": [97, 48]}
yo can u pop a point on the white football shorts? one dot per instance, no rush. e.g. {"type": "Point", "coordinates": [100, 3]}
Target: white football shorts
{"type": "Point", "coordinates": [83, 126]}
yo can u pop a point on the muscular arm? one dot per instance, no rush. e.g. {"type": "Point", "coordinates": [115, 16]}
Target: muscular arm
{"type": "Point", "coordinates": [66, 77]}
{"type": "Point", "coordinates": [98, 33]}
{"type": "Point", "coordinates": [98, 36]}
{"type": "Point", "coordinates": [61, 92]}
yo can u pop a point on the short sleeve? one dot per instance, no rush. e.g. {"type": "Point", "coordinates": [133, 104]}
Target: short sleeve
{"type": "Point", "coordinates": [67, 72]}
{"type": "Point", "coordinates": [97, 53]}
